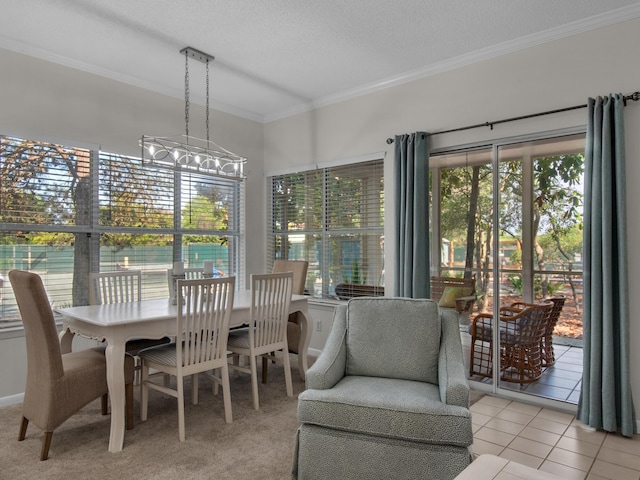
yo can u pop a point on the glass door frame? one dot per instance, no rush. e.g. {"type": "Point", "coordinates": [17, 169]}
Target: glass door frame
{"type": "Point", "coordinates": [527, 249]}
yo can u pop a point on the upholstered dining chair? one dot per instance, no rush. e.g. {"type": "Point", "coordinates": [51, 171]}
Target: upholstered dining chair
{"type": "Point", "coordinates": [122, 287]}
{"type": "Point", "coordinates": [58, 385]}
{"type": "Point", "coordinates": [202, 327]}
{"type": "Point", "coordinates": [294, 331]}
{"type": "Point", "coordinates": [387, 397]}
{"type": "Point", "coordinates": [267, 334]}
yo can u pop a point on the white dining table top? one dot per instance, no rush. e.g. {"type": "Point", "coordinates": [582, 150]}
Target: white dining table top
{"type": "Point", "coordinates": [146, 310]}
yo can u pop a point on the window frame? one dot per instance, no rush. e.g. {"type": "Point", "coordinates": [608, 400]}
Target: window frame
{"type": "Point", "coordinates": [232, 230]}
{"type": "Point", "coordinates": [328, 227]}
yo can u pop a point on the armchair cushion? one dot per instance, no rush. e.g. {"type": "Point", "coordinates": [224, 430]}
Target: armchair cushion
{"type": "Point", "coordinates": [450, 294]}
{"type": "Point", "coordinates": [387, 407]}
{"type": "Point", "coordinates": [376, 347]}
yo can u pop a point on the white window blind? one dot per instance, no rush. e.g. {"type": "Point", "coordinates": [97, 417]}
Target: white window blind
{"type": "Point", "coordinates": [133, 195]}
{"type": "Point", "coordinates": [333, 218]}
{"type": "Point", "coordinates": [44, 190]}
{"type": "Point", "coordinates": [65, 212]}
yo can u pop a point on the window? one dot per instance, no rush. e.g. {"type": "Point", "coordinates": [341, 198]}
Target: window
{"type": "Point", "coordinates": [65, 212]}
{"type": "Point", "coordinates": [333, 218]}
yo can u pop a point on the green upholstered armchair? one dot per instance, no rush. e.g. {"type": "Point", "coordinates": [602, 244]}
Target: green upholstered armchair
{"type": "Point", "coordinates": [388, 396]}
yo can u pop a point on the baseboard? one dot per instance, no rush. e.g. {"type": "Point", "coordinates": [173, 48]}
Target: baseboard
{"type": "Point", "coordinates": [313, 352]}
{"type": "Point", "coordinates": [11, 400]}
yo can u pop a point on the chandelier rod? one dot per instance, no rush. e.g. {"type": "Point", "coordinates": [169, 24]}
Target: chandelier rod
{"type": "Point", "coordinates": [186, 94]}
{"type": "Point", "coordinates": [204, 58]}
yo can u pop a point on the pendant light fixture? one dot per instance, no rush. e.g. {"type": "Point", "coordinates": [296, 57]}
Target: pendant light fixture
{"type": "Point", "coordinates": [187, 153]}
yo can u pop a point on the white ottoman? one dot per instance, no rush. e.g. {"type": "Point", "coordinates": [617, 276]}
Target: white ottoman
{"type": "Point", "coordinates": [488, 467]}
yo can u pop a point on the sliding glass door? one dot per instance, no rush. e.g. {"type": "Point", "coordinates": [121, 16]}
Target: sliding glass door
{"type": "Point", "coordinates": [510, 215]}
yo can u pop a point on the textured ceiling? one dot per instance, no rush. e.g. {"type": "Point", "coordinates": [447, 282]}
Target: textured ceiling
{"type": "Point", "coordinates": [278, 57]}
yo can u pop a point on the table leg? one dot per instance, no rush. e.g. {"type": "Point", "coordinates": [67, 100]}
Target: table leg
{"type": "Point", "coordinates": [115, 380]}
{"type": "Point", "coordinates": [66, 340]}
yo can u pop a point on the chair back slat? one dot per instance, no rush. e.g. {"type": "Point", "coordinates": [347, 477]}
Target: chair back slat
{"type": "Point", "coordinates": [191, 273]}
{"type": "Point", "coordinates": [270, 300]}
{"type": "Point", "coordinates": [204, 309]}
{"type": "Point", "coordinates": [115, 287]}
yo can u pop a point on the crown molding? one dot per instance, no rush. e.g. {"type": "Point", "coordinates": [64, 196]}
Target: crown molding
{"type": "Point", "coordinates": [532, 40]}
{"type": "Point", "coordinates": [31, 51]}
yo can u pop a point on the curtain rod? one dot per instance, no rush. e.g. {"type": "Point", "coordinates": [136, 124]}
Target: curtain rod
{"type": "Point", "coordinates": [634, 96]}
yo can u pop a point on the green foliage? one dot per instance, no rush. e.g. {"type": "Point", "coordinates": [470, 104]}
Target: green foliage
{"type": "Point", "coordinates": [456, 189]}
{"type": "Point", "coordinates": [561, 248]}
{"type": "Point", "coordinates": [57, 239]}
{"type": "Point", "coordinates": [553, 287]}
{"type": "Point", "coordinates": [516, 282]}
{"type": "Point", "coordinates": [356, 277]}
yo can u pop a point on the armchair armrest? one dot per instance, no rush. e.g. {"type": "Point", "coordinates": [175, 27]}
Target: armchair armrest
{"type": "Point", "coordinates": [331, 365]}
{"type": "Point", "coordinates": [454, 388]}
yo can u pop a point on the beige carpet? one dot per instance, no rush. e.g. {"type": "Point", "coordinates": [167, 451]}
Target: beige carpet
{"type": "Point", "coordinates": [257, 445]}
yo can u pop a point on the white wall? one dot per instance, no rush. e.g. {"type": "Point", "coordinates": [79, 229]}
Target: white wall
{"type": "Point", "coordinates": [560, 74]}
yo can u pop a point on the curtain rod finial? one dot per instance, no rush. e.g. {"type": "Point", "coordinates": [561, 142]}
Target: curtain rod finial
{"type": "Point", "coordinates": [389, 141]}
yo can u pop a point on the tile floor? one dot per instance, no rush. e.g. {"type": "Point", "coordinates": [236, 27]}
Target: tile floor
{"type": "Point", "coordinates": [552, 441]}
{"type": "Point", "coordinates": [562, 381]}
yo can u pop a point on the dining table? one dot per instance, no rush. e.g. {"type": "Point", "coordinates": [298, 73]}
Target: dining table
{"type": "Point", "coordinates": [116, 323]}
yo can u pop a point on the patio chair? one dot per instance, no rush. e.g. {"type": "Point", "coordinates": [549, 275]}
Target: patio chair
{"type": "Point", "coordinates": [522, 327]}
{"type": "Point", "coordinates": [456, 297]}
{"type": "Point", "coordinates": [548, 356]}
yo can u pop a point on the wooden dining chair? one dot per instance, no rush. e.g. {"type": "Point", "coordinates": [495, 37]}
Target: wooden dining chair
{"type": "Point", "coordinates": [202, 329]}
{"type": "Point", "coordinates": [122, 287]}
{"type": "Point", "coordinates": [115, 287]}
{"type": "Point", "coordinates": [267, 334]}
{"type": "Point", "coordinates": [294, 331]}
{"type": "Point", "coordinates": [190, 273]}
{"type": "Point", "coordinates": [58, 385]}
